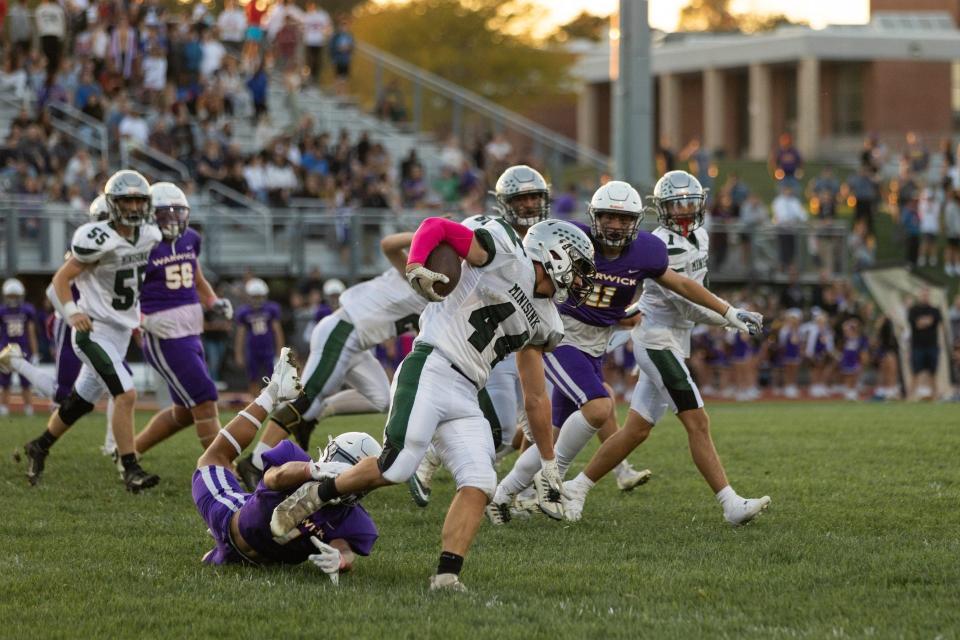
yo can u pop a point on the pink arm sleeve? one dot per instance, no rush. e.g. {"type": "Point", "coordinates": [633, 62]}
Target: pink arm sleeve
{"type": "Point", "coordinates": [432, 232]}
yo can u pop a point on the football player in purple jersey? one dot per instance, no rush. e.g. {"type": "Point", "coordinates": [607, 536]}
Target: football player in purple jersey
{"type": "Point", "coordinates": [259, 335]}
{"type": "Point", "coordinates": [240, 523]}
{"type": "Point", "coordinates": [18, 338]}
{"type": "Point", "coordinates": [582, 405]}
{"type": "Point", "coordinates": [174, 295]}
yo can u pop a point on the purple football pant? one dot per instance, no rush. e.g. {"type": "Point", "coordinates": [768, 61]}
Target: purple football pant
{"type": "Point", "coordinates": [181, 364]}
{"type": "Point", "coordinates": [218, 496]}
{"type": "Point", "coordinates": [577, 378]}
{"type": "Point", "coordinates": [259, 366]}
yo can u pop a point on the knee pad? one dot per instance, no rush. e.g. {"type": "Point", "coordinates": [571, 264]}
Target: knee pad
{"type": "Point", "coordinates": [290, 414]}
{"type": "Point", "coordinates": [73, 408]}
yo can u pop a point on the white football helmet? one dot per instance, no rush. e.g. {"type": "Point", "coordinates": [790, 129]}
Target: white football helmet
{"type": "Point", "coordinates": [679, 199]}
{"type": "Point", "coordinates": [616, 197]}
{"type": "Point", "coordinates": [256, 288]}
{"type": "Point", "coordinates": [171, 210]}
{"type": "Point", "coordinates": [98, 209]}
{"type": "Point", "coordinates": [351, 448]}
{"type": "Point", "coordinates": [13, 288]}
{"type": "Point", "coordinates": [520, 180]}
{"type": "Point", "coordinates": [333, 287]}
{"type": "Point", "coordinates": [566, 254]}
{"type": "Point", "coordinates": [128, 198]}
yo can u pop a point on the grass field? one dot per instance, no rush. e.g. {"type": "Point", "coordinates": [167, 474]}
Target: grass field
{"type": "Point", "coordinates": [862, 539]}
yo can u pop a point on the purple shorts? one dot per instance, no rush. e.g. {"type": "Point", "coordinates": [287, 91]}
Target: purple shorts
{"type": "Point", "coordinates": [181, 364]}
{"type": "Point", "coordinates": [68, 364]}
{"type": "Point", "coordinates": [259, 365]}
{"type": "Point", "coordinates": [218, 496]}
{"type": "Point", "coordinates": [576, 377]}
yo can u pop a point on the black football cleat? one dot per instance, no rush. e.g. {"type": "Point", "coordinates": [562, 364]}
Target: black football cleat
{"type": "Point", "coordinates": [136, 479]}
{"type": "Point", "coordinates": [249, 474]}
{"type": "Point", "coordinates": [36, 457]}
{"type": "Point", "coordinates": [302, 432]}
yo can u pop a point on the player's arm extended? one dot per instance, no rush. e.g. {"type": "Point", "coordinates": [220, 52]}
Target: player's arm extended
{"type": "Point", "coordinates": [535, 399]}
{"type": "Point", "coordinates": [394, 247]}
{"type": "Point", "coordinates": [692, 291]}
{"type": "Point", "coordinates": [204, 290]}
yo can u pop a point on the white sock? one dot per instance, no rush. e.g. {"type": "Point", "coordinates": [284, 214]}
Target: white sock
{"type": "Point", "coordinates": [574, 436]}
{"type": "Point", "coordinates": [522, 473]}
{"type": "Point", "coordinates": [258, 452]}
{"type": "Point", "coordinates": [726, 495]}
{"type": "Point", "coordinates": [43, 383]}
{"type": "Point", "coordinates": [266, 400]}
{"type": "Point", "coordinates": [585, 482]}
{"type": "Point", "coordinates": [343, 403]}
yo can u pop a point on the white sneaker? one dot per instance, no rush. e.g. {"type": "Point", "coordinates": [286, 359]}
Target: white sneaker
{"type": "Point", "coordinates": [573, 506]}
{"type": "Point", "coordinates": [791, 392]}
{"type": "Point", "coordinates": [629, 478]}
{"type": "Point", "coordinates": [744, 510]}
{"type": "Point", "coordinates": [419, 483]}
{"type": "Point", "coordinates": [284, 384]}
{"type": "Point", "coordinates": [547, 499]}
{"type": "Point", "coordinates": [4, 411]}
{"type": "Point", "coordinates": [28, 410]}
{"type": "Point", "coordinates": [447, 582]}
{"type": "Point", "coordinates": [7, 355]}
{"type": "Point", "coordinates": [294, 508]}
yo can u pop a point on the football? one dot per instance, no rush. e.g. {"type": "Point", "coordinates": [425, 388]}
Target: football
{"type": "Point", "coordinates": [444, 259]}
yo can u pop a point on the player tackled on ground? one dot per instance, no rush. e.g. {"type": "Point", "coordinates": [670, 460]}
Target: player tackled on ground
{"type": "Point", "coordinates": [504, 302]}
{"type": "Point", "coordinates": [239, 522]}
{"type": "Point", "coordinates": [662, 343]}
{"type": "Point", "coordinates": [107, 266]}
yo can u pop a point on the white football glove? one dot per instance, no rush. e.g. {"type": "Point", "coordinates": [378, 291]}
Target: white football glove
{"type": "Point", "coordinates": [320, 469]}
{"type": "Point", "coordinates": [422, 279]}
{"type": "Point", "coordinates": [632, 310]}
{"type": "Point", "coordinates": [743, 320]}
{"type": "Point", "coordinates": [328, 560]}
{"type": "Point", "coordinates": [224, 307]}
{"type": "Point", "coordinates": [551, 473]}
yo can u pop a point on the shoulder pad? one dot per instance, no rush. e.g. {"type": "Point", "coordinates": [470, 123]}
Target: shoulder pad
{"type": "Point", "coordinates": [92, 240]}
{"type": "Point", "coordinates": [150, 232]}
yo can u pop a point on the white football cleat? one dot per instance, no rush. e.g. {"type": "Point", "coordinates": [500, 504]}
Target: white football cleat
{"type": "Point", "coordinates": [548, 499]}
{"type": "Point", "coordinates": [525, 504]}
{"type": "Point", "coordinates": [447, 582]}
{"type": "Point", "coordinates": [9, 353]}
{"type": "Point", "coordinates": [744, 510]}
{"type": "Point", "coordinates": [284, 384]}
{"type": "Point", "coordinates": [497, 513]}
{"type": "Point", "coordinates": [420, 482]}
{"type": "Point", "coordinates": [294, 508]}
{"type": "Point", "coordinates": [629, 478]}
{"type": "Point", "coordinates": [573, 505]}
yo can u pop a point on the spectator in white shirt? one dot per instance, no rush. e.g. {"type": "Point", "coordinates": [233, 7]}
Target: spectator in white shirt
{"type": "Point", "coordinates": [929, 210]}
{"type": "Point", "coordinates": [788, 215]}
{"type": "Point", "coordinates": [80, 169]}
{"type": "Point", "coordinates": [154, 73]}
{"type": "Point", "coordinates": [317, 28]}
{"type": "Point", "coordinates": [52, 28]}
{"type": "Point", "coordinates": [232, 25]}
{"type": "Point", "coordinates": [213, 53]}
{"type": "Point", "coordinates": [134, 128]}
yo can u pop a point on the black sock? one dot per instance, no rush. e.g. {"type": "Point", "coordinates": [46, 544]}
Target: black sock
{"type": "Point", "coordinates": [449, 563]}
{"type": "Point", "coordinates": [46, 440]}
{"type": "Point", "coordinates": [328, 489]}
{"type": "Point", "coordinates": [128, 460]}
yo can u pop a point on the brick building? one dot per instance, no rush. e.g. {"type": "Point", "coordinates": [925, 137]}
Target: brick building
{"type": "Point", "coordinates": [829, 87]}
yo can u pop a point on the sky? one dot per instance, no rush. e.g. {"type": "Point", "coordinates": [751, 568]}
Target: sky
{"type": "Point", "coordinates": [665, 13]}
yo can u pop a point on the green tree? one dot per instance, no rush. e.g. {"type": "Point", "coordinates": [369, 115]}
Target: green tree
{"type": "Point", "coordinates": [715, 15]}
{"type": "Point", "coordinates": [585, 26]}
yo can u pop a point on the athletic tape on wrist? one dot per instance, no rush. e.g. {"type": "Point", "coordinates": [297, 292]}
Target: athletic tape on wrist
{"type": "Point", "coordinates": [236, 445]}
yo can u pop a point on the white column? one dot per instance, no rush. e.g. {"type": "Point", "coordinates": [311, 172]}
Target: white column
{"type": "Point", "coordinates": [670, 109]}
{"type": "Point", "coordinates": [587, 116]}
{"type": "Point", "coordinates": [713, 109]}
{"type": "Point", "coordinates": [760, 111]}
{"type": "Point", "coordinates": [808, 106]}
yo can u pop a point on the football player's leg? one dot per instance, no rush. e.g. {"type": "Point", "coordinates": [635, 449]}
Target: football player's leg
{"type": "Point", "coordinates": [30, 374]}
{"type": "Point", "coordinates": [218, 496]}
{"type": "Point", "coordinates": [161, 426]}
{"type": "Point", "coordinates": [466, 447]}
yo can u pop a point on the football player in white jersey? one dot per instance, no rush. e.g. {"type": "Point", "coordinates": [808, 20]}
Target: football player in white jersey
{"type": "Point", "coordinates": [661, 344]}
{"type": "Point", "coordinates": [504, 302]}
{"type": "Point", "coordinates": [523, 199]}
{"type": "Point", "coordinates": [107, 266]}
{"type": "Point", "coordinates": [340, 354]}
